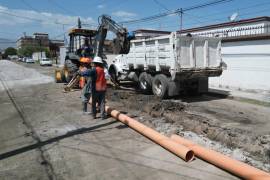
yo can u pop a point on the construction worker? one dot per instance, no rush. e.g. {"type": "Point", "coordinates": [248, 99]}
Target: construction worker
{"type": "Point", "coordinates": [99, 86]}
{"type": "Point", "coordinates": [86, 91]}
{"type": "Point", "coordinates": [87, 50]}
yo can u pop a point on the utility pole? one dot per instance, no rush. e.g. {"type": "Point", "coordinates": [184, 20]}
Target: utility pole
{"type": "Point", "coordinates": [64, 34]}
{"type": "Point", "coordinates": [181, 20]}
{"type": "Point", "coordinates": [40, 49]}
{"type": "Point", "coordinates": [79, 26]}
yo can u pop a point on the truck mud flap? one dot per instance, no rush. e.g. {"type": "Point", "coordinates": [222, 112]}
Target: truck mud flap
{"type": "Point", "coordinates": [173, 89]}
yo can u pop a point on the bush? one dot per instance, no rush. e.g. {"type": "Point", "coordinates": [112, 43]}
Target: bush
{"type": "Point", "coordinates": [9, 51]}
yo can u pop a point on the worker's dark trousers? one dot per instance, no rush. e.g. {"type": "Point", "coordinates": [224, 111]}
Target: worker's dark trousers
{"type": "Point", "coordinates": [98, 97]}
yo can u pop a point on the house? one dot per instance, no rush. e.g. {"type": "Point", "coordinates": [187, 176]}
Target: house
{"type": "Point", "coordinates": [245, 50]}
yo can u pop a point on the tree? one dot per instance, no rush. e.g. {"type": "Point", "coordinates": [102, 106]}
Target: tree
{"type": "Point", "coordinates": [29, 50]}
{"type": "Point", "coordinates": [10, 51]}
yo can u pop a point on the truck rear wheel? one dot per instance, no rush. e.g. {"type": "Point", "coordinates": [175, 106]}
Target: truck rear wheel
{"type": "Point", "coordinates": [160, 86]}
{"type": "Point", "coordinates": [145, 82]}
{"type": "Point", "coordinates": [69, 69]}
{"type": "Point", "coordinates": [58, 76]}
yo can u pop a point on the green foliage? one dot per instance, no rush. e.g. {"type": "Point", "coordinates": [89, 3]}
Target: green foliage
{"type": "Point", "coordinates": [10, 51]}
{"type": "Point", "coordinates": [29, 50]}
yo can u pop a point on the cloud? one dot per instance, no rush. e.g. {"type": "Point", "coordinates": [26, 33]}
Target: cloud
{"type": "Point", "coordinates": [28, 17]}
{"type": "Point", "coordinates": [124, 15]}
{"type": "Point", "coordinates": [101, 6]}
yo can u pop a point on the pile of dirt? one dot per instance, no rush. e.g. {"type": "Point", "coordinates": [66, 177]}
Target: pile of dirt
{"type": "Point", "coordinates": [158, 109]}
{"type": "Point", "coordinates": [14, 75]}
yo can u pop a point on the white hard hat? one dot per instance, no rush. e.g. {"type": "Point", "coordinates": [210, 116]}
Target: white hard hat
{"type": "Point", "coordinates": [97, 60]}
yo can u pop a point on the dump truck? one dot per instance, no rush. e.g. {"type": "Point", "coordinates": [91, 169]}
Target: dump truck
{"type": "Point", "coordinates": [169, 65]}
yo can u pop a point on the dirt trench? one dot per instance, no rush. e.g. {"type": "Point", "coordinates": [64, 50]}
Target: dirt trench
{"type": "Point", "coordinates": [174, 116]}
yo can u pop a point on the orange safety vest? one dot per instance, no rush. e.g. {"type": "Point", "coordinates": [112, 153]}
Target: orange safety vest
{"type": "Point", "coordinates": [100, 79]}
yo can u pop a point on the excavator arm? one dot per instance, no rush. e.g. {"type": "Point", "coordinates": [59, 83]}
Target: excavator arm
{"type": "Point", "coordinates": [121, 43]}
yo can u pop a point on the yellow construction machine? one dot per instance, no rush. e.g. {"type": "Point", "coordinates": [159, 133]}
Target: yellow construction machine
{"type": "Point", "coordinates": [95, 42]}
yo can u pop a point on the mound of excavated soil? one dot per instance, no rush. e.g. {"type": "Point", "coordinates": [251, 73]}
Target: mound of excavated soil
{"type": "Point", "coordinates": [14, 75]}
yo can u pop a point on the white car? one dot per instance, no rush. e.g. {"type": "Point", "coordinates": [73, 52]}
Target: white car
{"type": "Point", "coordinates": [45, 61]}
{"type": "Point", "coordinates": [29, 60]}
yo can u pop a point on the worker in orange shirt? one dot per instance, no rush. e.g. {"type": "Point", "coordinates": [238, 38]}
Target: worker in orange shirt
{"type": "Point", "coordinates": [86, 91]}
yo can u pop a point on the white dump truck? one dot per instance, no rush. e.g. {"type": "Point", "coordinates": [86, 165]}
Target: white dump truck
{"type": "Point", "coordinates": [171, 64]}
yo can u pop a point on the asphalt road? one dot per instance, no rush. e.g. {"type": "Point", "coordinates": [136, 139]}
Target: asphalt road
{"type": "Point", "coordinates": [44, 135]}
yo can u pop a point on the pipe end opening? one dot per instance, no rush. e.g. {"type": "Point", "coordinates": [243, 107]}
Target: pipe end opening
{"type": "Point", "coordinates": [189, 156]}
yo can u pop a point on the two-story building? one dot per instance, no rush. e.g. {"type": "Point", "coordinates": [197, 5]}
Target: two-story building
{"type": "Point", "coordinates": [37, 40]}
{"type": "Point", "coordinates": [40, 40]}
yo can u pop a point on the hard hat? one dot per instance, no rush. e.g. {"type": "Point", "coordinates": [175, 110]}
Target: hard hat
{"type": "Point", "coordinates": [85, 60]}
{"type": "Point", "coordinates": [97, 60]}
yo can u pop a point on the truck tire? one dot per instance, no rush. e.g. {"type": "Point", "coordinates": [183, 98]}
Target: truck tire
{"type": "Point", "coordinates": [160, 86]}
{"type": "Point", "coordinates": [70, 68]}
{"type": "Point", "coordinates": [58, 76]}
{"type": "Point", "coordinates": [145, 82]}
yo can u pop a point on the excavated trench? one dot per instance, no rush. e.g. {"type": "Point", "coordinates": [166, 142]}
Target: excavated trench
{"type": "Point", "coordinates": [175, 116]}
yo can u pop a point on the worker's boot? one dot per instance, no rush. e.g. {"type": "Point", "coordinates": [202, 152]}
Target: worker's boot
{"type": "Point", "coordinates": [85, 109]}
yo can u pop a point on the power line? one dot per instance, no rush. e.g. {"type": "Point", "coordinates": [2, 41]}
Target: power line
{"type": "Point", "coordinates": [56, 22]}
{"type": "Point", "coordinates": [28, 5]}
{"type": "Point", "coordinates": [225, 12]}
{"type": "Point", "coordinates": [221, 19]}
{"type": "Point", "coordinates": [22, 17]}
{"type": "Point", "coordinates": [161, 5]}
{"type": "Point", "coordinates": [211, 3]}
{"type": "Point", "coordinates": [60, 7]}
{"type": "Point", "coordinates": [31, 7]}
{"type": "Point", "coordinates": [204, 19]}
{"type": "Point", "coordinates": [30, 18]}
{"type": "Point", "coordinates": [7, 42]}
{"type": "Point", "coordinates": [177, 11]}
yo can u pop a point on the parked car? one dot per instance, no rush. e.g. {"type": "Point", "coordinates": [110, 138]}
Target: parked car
{"type": "Point", "coordinates": [45, 62]}
{"type": "Point", "coordinates": [29, 60]}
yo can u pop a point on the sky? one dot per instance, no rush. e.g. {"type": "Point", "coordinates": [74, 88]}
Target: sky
{"type": "Point", "coordinates": [57, 16]}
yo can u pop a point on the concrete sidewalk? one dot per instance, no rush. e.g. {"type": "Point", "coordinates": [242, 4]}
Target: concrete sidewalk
{"type": "Point", "coordinates": [262, 98]}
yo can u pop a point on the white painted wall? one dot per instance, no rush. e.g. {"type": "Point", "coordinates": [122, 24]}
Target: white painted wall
{"type": "Point", "coordinates": [237, 30]}
{"type": "Point", "coordinates": [248, 66]}
{"type": "Point", "coordinates": [36, 56]}
{"type": "Point", "coordinates": [62, 56]}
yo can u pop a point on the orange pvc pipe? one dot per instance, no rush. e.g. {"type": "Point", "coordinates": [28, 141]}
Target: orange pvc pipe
{"type": "Point", "coordinates": [235, 167]}
{"type": "Point", "coordinates": [179, 150]}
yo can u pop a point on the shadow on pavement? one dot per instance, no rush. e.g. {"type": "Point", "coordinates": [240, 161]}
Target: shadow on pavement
{"type": "Point", "coordinates": [52, 140]}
